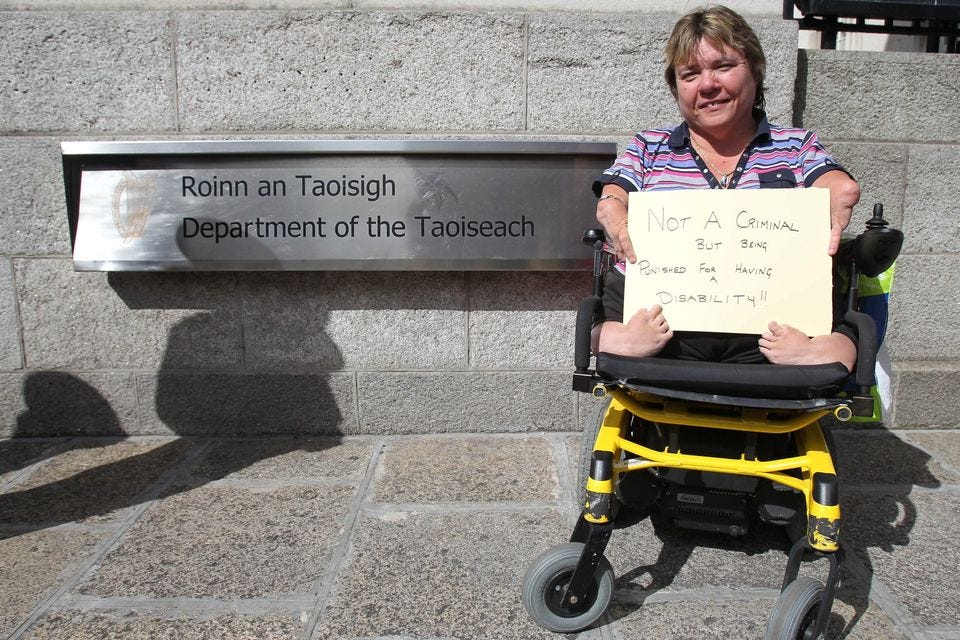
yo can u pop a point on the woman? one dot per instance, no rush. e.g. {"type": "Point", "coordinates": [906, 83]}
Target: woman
{"type": "Point", "coordinates": [715, 71]}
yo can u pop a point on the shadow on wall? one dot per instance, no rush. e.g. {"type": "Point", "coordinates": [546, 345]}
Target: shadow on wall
{"type": "Point", "coordinates": [58, 401]}
{"type": "Point", "coordinates": [189, 401]}
{"type": "Point", "coordinates": [57, 404]}
{"type": "Point", "coordinates": [200, 403]}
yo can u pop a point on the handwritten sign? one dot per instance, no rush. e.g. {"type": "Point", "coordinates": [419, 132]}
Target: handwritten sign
{"type": "Point", "coordinates": [732, 261]}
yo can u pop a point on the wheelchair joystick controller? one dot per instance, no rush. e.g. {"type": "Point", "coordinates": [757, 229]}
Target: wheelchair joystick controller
{"type": "Point", "coordinates": [878, 247]}
{"type": "Point", "coordinates": [877, 221]}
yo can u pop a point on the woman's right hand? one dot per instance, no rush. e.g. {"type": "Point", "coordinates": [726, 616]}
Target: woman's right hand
{"type": "Point", "coordinates": [612, 214]}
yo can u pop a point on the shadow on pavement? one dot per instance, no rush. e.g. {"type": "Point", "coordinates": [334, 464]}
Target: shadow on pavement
{"type": "Point", "coordinates": [189, 401]}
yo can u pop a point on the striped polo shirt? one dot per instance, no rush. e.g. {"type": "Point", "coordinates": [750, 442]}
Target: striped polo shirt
{"type": "Point", "coordinates": [663, 159]}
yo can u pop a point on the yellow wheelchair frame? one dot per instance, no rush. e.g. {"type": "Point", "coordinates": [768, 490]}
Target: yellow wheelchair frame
{"type": "Point", "coordinates": [813, 460]}
{"type": "Point", "coordinates": [569, 586]}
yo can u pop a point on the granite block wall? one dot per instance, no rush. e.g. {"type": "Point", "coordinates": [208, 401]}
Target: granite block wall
{"type": "Point", "coordinates": [891, 117]}
{"type": "Point", "coordinates": [402, 352]}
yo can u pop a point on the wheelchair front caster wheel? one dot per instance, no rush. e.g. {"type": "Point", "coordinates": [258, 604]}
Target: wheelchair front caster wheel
{"type": "Point", "coordinates": [543, 588]}
{"type": "Point", "coordinates": [795, 613]}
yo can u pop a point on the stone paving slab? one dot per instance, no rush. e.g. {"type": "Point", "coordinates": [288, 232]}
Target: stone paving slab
{"type": "Point", "coordinates": [16, 456]}
{"type": "Point", "coordinates": [470, 469]}
{"type": "Point", "coordinates": [861, 454]}
{"type": "Point", "coordinates": [666, 558]}
{"type": "Point", "coordinates": [428, 537]}
{"type": "Point", "coordinates": [33, 565]}
{"type": "Point", "coordinates": [225, 542]}
{"type": "Point", "coordinates": [438, 575]}
{"type": "Point", "coordinates": [735, 619]}
{"type": "Point", "coordinates": [82, 625]}
{"type": "Point", "coordinates": [313, 459]}
{"type": "Point", "coordinates": [904, 537]}
{"type": "Point", "coordinates": [690, 620]}
{"type": "Point", "coordinates": [92, 481]}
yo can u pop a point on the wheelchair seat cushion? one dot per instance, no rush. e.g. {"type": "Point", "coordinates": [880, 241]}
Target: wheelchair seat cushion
{"type": "Point", "coordinates": [774, 381]}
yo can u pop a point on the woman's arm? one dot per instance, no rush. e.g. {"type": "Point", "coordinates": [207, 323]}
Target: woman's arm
{"type": "Point", "coordinates": [612, 214]}
{"type": "Point", "coordinates": [844, 194]}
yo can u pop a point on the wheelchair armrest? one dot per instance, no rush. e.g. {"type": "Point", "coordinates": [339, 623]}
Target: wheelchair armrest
{"type": "Point", "coordinates": [586, 313]}
{"type": "Point", "coordinates": [867, 347]}
{"type": "Point", "coordinates": [590, 307]}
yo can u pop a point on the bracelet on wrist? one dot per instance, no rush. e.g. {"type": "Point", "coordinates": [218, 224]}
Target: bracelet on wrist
{"type": "Point", "coordinates": [610, 196]}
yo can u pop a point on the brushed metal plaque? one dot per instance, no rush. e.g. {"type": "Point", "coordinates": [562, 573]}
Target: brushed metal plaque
{"type": "Point", "coordinates": [439, 205]}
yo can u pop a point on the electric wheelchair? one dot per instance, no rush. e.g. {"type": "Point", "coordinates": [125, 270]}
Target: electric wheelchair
{"type": "Point", "coordinates": [713, 446]}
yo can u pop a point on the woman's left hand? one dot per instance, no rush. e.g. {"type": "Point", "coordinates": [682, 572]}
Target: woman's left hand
{"type": "Point", "coordinates": [844, 195]}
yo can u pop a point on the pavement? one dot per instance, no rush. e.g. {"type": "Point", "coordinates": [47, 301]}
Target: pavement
{"type": "Point", "coordinates": [427, 537]}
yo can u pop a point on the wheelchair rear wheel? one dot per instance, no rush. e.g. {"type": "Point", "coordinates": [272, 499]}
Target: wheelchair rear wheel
{"type": "Point", "coordinates": [543, 588]}
{"type": "Point", "coordinates": [796, 610]}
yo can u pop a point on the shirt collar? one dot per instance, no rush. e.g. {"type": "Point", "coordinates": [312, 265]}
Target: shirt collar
{"type": "Point", "coordinates": [680, 136]}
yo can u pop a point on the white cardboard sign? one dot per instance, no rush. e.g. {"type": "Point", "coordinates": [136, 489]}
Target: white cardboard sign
{"type": "Point", "coordinates": [732, 260]}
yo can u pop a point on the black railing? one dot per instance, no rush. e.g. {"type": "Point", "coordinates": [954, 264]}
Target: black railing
{"type": "Point", "coordinates": [937, 20]}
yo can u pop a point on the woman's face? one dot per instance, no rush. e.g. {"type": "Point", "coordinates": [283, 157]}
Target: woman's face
{"type": "Point", "coordinates": [716, 91]}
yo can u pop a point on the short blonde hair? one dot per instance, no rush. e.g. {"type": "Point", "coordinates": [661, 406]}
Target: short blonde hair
{"type": "Point", "coordinates": [721, 27]}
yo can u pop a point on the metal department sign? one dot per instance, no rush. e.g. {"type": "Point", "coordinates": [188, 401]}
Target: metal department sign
{"type": "Point", "coordinates": [338, 204]}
